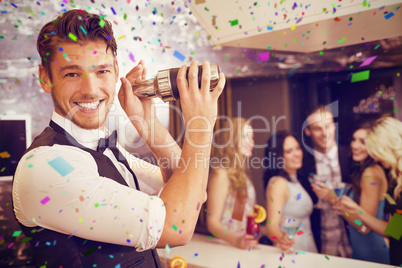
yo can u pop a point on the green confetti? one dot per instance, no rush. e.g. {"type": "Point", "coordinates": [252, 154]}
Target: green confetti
{"type": "Point", "coordinates": [393, 228]}
{"type": "Point", "coordinates": [174, 227]}
{"type": "Point", "coordinates": [17, 233]}
{"type": "Point", "coordinates": [125, 16]}
{"type": "Point", "coordinates": [83, 29]}
{"type": "Point", "coordinates": [72, 37]}
{"type": "Point", "coordinates": [234, 22]}
{"type": "Point", "coordinates": [25, 239]}
{"type": "Point", "coordinates": [358, 222]}
{"type": "Point", "coordinates": [342, 40]}
{"type": "Point", "coordinates": [326, 257]}
{"type": "Point", "coordinates": [101, 23]}
{"type": "Point", "coordinates": [360, 76]}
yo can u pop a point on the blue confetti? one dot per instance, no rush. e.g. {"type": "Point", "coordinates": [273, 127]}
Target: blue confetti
{"type": "Point", "coordinates": [178, 55]}
{"type": "Point", "coordinates": [114, 12]}
{"type": "Point", "coordinates": [14, 5]}
{"type": "Point", "coordinates": [61, 166]}
{"type": "Point", "coordinates": [389, 15]}
{"type": "Point", "coordinates": [298, 196]}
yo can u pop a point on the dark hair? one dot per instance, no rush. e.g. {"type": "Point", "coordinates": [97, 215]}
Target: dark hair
{"type": "Point", "coordinates": [358, 168]}
{"type": "Point", "coordinates": [275, 149]}
{"type": "Point", "coordinates": [74, 26]}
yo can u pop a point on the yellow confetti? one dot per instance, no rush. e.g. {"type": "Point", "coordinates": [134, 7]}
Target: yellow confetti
{"type": "Point", "coordinates": [4, 154]}
{"type": "Point", "coordinates": [389, 198]}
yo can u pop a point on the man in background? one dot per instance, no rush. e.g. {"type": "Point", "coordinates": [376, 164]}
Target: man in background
{"type": "Point", "coordinates": [325, 162]}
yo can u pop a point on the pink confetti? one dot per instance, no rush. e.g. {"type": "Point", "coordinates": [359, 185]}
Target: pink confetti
{"type": "Point", "coordinates": [132, 57]}
{"type": "Point", "coordinates": [368, 61]}
{"type": "Point", "coordinates": [198, 206]}
{"type": "Point", "coordinates": [263, 56]}
{"type": "Point", "coordinates": [45, 200]}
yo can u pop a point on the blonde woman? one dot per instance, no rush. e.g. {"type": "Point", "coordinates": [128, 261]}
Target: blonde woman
{"type": "Point", "coordinates": [384, 145]}
{"type": "Point", "coordinates": [231, 194]}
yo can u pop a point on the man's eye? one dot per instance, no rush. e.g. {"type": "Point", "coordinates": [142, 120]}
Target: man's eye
{"type": "Point", "coordinates": [71, 75]}
{"type": "Point", "coordinates": [103, 71]}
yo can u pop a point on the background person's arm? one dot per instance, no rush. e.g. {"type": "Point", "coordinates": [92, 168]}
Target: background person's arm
{"type": "Point", "coordinates": [371, 185]}
{"type": "Point", "coordinates": [218, 190]}
{"type": "Point", "coordinates": [277, 194]}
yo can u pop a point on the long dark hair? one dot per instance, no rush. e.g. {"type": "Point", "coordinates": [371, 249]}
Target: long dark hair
{"type": "Point", "coordinates": [357, 169]}
{"type": "Point", "coordinates": [275, 149]}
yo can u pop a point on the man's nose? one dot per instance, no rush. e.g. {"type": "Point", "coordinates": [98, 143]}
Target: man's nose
{"type": "Point", "coordinates": [89, 84]}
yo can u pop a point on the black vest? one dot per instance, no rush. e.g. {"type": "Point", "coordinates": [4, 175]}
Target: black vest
{"type": "Point", "coordinates": [55, 249]}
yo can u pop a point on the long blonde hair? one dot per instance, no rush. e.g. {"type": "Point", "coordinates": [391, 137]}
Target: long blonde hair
{"type": "Point", "coordinates": [226, 146]}
{"type": "Point", "coordinates": [384, 143]}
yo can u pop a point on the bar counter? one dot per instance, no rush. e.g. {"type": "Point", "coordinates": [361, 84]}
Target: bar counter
{"type": "Point", "coordinates": [211, 252]}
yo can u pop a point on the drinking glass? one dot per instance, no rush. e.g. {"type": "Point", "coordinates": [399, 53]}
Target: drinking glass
{"type": "Point", "coordinates": [253, 228]}
{"type": "Point", "coordinates": [290, 227]}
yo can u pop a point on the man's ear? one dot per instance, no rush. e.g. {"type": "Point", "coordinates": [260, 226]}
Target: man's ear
{"type": "Point", "coordinates": [307, 131]}
{"type": "Point", "coordinates": [45, 80]}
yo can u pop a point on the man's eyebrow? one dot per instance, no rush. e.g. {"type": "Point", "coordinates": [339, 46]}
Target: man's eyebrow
{"type": "Point", "coordinates": [70, 67]}
{"type": "Point", "coordinates": [91, 67]}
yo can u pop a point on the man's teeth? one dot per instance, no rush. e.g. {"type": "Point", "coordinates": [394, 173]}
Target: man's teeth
{"type": "Point", "coordinates": [88, 105]}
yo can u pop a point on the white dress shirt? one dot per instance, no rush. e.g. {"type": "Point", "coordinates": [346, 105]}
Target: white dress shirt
{"type": "Point", "coordinates": [59, 188]}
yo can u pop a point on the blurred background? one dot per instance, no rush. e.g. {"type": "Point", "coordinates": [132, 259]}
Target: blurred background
{"type": "Point", "coordinates": [280, 57]}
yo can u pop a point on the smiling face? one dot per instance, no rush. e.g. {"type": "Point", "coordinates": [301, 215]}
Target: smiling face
{"type": "Point", "coordinates": [321, 129]}
{"type": "Point", "coordinates": [292, 155]}
{"type": "Point", "coordinates": [83, 83]}
{"type": "Point", "coordinates": [358, 145]}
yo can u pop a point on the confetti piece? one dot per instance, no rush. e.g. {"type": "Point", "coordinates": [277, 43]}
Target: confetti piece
{"type": "Point", "coordinates": [4, 154]}
{"type": "Point", "coordinates": [131, 56]}
{"type": "Point", "coordinates": [326, 257]}
{"type": "Point", "coordinates": [198, 206]}
{"type": "Point", "coordinates": [197, 2]}
{"type": "Point", "coordinates": [61, 166]}
{"type": "Point", "coordinates": [117, 266]}
{"type": "Point", "coordinates": [174, 227]}
{"type": "Point", "coordinates": [298, 196]}
{"type": "Point", "coordinates": [262, 57]}
{"type": "Point", "coordinates": [360, 76]}
{"type": "Point", "coordinates": [300, 232]}
{"type": "Point", "coordinates": [14, 5]}
{"type": "Point", "coordinates": [17, 233]}
{"type": "Point", "coordinates": [167, 248]}
{"type": "Point", "coordinates": [389, 199]}
{"type": "Point", "coordinates": [358, 222]}
{"type": "Point", "coordinates": [114, 12]}
{"type": "Point", "coordinates": [101, 23]}
{"type": "Point", "coordinates": [45, 200]}
{"type": "Point", "coordinates": [389, 15]}
{"type": "Point", "coordinates": [178, 55]}
{"type": "Point", "coordinates": [89, 252]}
{"type": "Point", "coordinates": [72, 37]}
{"type": "Point", "coordinates": [394, 229]}
{"type": "Point", "coordinates": [83, 29]}
{"type": "Point", "coordinates": [368, 61]}
{"type": "Point", "coordinates": [234, 22]}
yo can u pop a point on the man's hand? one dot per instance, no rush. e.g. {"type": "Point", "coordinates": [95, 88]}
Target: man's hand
{"type": "Point", "coordinates": [139, 111]}
{"type": "Point", "coordinates": [198, 104]}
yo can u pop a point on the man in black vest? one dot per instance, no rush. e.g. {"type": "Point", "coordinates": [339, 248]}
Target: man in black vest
{"type": "Point", "coordinates": [324, 163]}
{"type": "Point", "coordinates": [76, 191]}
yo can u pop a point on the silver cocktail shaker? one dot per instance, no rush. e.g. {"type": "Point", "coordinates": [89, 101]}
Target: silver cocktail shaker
{"type": "Point", "coordinates": [164, 84]}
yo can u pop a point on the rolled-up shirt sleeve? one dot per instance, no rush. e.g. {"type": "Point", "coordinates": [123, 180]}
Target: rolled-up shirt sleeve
{"type": "Point", "coordinates": [59, 188]}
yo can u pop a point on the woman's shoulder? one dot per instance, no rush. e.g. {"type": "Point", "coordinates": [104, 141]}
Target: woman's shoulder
{"type": "Point", "coordinates": [277, 180]}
